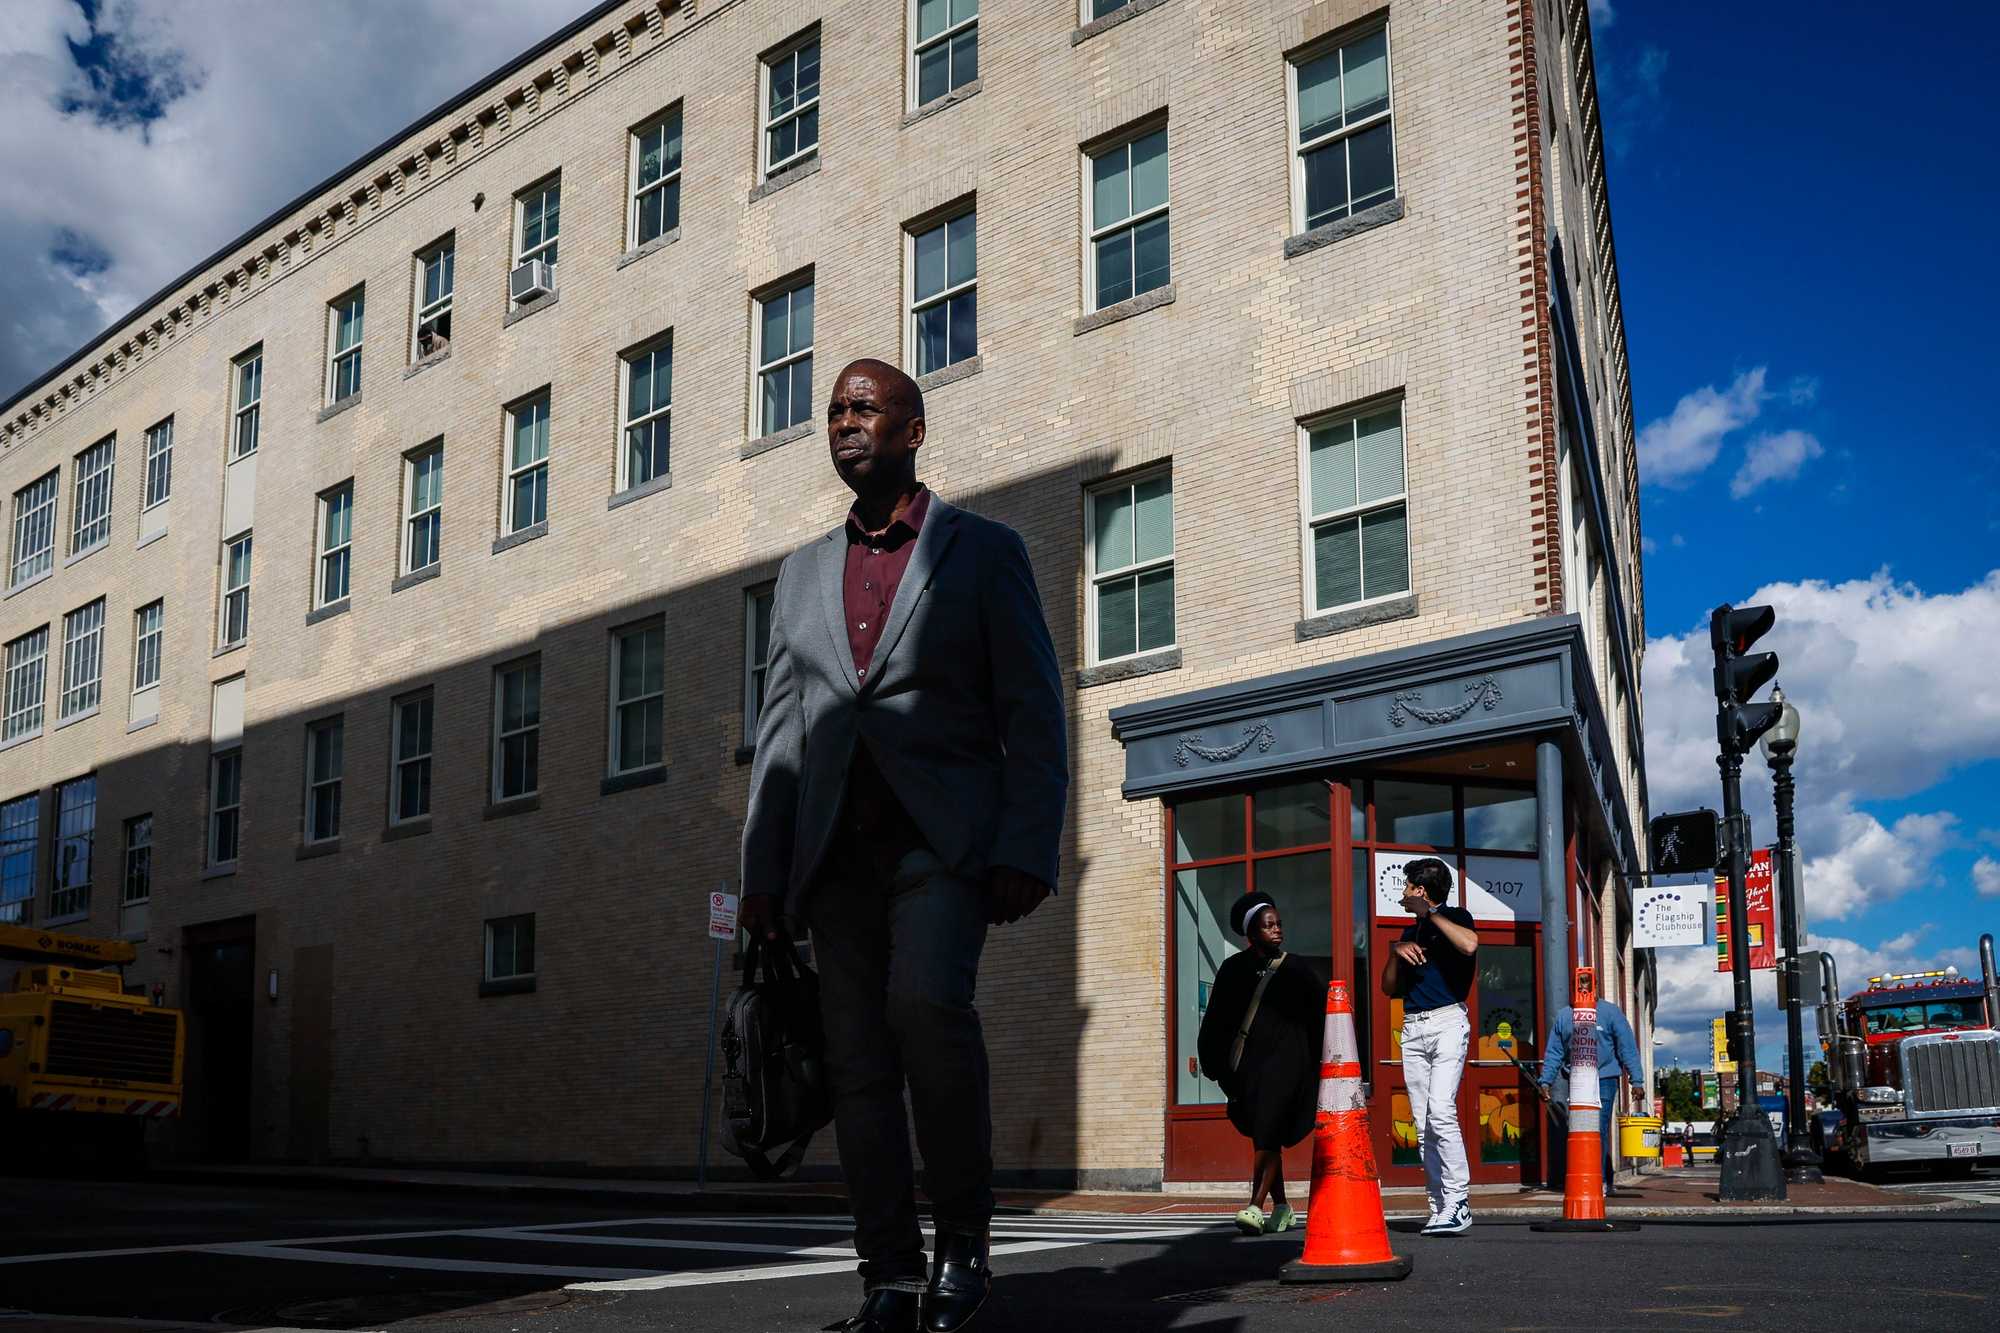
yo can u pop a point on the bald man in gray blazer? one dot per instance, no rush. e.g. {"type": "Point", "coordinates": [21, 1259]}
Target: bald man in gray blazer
{"type": "Point", "coordinates": [908, 791]}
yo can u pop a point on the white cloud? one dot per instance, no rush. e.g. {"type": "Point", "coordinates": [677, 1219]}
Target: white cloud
{"type": "Point", "coordinates": [1774, 457]}
{"type": "Point", "coordinates": [1678, 447]}
{"type": "Point", "coordinates": [1648, 545]}
{"type": "Point", "coordinates": [1679, 540]}
{"type": "Point", "coordinates": [1986, 877]}
{"type": "Point", "coordinates": [1602, 15]}
{"type": "Point", "coordinates": [244, 106]}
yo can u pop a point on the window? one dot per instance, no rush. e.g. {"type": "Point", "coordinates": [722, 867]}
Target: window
{"type": "Point", "coordinates": [225, 806]}
{"type": "Point", "coordinates": [343, 374]}
{"type": "Point", "coordinates": [945, 51]}
{"type": "Point", "coordinates": [510, 947]}
{"type": "Point", "coordinates": [138, 860]}
{"type": "Point", "coordinates": [27, 674]}
{"type": "Point", "coordinates": [649, 402]}
{"type": "Point", "coordinates": [656, 179]}
{"type": "Point", "coordinates": [784, 358]}
{"type": "Point", "coordinates": [83, 660]}
{"type": "Point", "coordinates": [236, 590]}
{"type": "Point", "coordinates": [423, 507]}
{"type": "Point", "coordinates": [76, 834]}
{"type": "Point", "coordinates": [1345, 156]}
{"type": "Point", "coordinates": [527, 500]}
{"type": "Point", "coordinates": [791, 106]}
{"type": "Point", "coordinates": [538, 222]}
{"type": "Point", "coordinates": [410, 756]}
{"type": "Point", "coordinates": [638, 697]}
{"type": "Point", "coordinates": [1132, 567]}
{"type": "Point", "coordinates": [336, 543]}
{"type": "Point", "coordinates": [148, 629]}
{"type": "Point", "coordinates": [34, 528]}
{"type": "Point", "coordinates": [756, 655]}
{"type": "Point", "coordinates": [159, 463]}
{"type": "Point", "coordinates": [20, 837]}
{"type": "Point", "coordinates": [1128, 219]}
{"type": "Point", "coordinates": [324, 765]}
{"type": "Point", "coordinates": [90, 517]}
{"type": "Point", "coordinates": [944, 296]}
{"type": "Point", "coordinates": [249, 402]}
{"type": "Point", "coordinates": [1099, 8]}
{"type": "Point", "coordinates": [517, 730]}
{"type": "Point", "coordinates": [1357, 520]}
{"type": "Point", "coordinates": [434, 287]}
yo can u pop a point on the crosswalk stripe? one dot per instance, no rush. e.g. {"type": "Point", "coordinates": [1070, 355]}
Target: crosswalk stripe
{"type": "Point", "coordinates": [773, 1272]}
{"type": "Point", "coordinates": [296, 1254]}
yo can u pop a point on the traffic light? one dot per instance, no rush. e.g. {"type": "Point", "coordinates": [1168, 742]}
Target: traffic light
{"type": "Point", "coordinates": [1684, 843]}
{"type": "Point", "coordinates": [1740, 673]}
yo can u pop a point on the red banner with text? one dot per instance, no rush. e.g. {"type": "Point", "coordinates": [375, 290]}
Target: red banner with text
{"type": "Point", "coordinates": [1763, 914]}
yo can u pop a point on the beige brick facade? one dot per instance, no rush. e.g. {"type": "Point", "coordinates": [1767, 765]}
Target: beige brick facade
{"type": "Point", "coordinates": [379, 1035]}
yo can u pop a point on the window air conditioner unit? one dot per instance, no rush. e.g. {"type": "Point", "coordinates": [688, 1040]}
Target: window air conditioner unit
{"type": "Point", "coordinates": [532, 279]}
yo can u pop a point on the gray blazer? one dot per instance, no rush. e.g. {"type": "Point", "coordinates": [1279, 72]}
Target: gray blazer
{"type": "Point", "coordinates": [962, 709]}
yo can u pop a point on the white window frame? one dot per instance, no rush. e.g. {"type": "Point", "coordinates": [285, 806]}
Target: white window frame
{"type": "Point", "coordinates": [670, 177]}
{"type": "Point", "coordinates": [626, 421]}
{"type": "Point", "coordinates": [319, 736]}
{"type": "Point", "coordinates": [159, 465]}
{"type": "Point", "coordinates": [148, 643]}
{"type": "Point", "coordinates": [429, 517]}
{"type": "Point", "coordinates": [510, 472]}
{"type": "Point", "coordinates": [1093, 233]}
{"type": "Point", "coordinates": [138, 860]}
{"type": "Point", "coordinates": [756, 668]}
{"type": "Point", "coordinates": [760, 367]}
{"type": "Point", "coordinates": [245, 425]}
{"type": "Point", "coordinates": [331, 556]}
{"type": "Point", "coordinates": [501, 736]}
{"type": "Point", "coordinates": [766, 123]}
{"type": "Point", "coordinates": [93, 472]}
{"type": "Point", "coordinates": [915, 306]}
{"type": "Point", "coordinates": [26, 684]}
{"type": "Point", "coordinates": [1311, 521]}
{"type": "Point", "coordinates": [523, 252]}
{"type": "Point", "coordinates": [398, 760]}
{"type": "Point", "coordinates": [1093, 578]}
{"type": "Point", "coordinates": [919, 48]}
{"type": "Point", "coordinates": [338, 357]}
{"type": "Point", "coordinates": [1299, 150]}
{"type": "Point", "coordinates": [491, 956]}
{"type": "Point", "coordinates": [443, 254]}
{"type": "Point", "coordinates": [239, 592]}
{"type": "Point", "coordinates": [34, 545]}
{"type": "Point", "coordinates": [615, 730]}
{"type": "Point", "coordinates": [82, 662]}
{"type": "Point", "coordinates": [217, 810]}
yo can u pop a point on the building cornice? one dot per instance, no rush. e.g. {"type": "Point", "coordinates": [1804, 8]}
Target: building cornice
{"type": "Point", "coordinates": [601, 43]}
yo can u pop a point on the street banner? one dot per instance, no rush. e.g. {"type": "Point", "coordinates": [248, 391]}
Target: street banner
{"type": "Point", "coordinates": [1720, 1033]}
{"type": "Point", "coordinates": [1666, 916]}
{"type": "Point", "coordinates": [1763, 916]}
{"type": "Point", "coordinates": [721, 915]}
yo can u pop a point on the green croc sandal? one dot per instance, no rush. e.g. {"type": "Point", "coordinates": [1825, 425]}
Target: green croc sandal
{"type": "Point", "coordinates": [1284, 1219]}
{"type": "Point", "coordinates": [1250, 1221]}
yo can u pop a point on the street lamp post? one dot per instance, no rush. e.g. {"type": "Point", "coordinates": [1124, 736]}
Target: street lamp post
{"type": "Point", "coordinates": [1780, 745]}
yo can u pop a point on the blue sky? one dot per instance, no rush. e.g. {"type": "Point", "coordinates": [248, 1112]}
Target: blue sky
{"type": "Point", "coordinates": [1804, 222]}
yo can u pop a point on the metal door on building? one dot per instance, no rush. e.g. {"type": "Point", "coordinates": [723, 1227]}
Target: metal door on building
{"type": "Point", "coordinates": [221, 1015]}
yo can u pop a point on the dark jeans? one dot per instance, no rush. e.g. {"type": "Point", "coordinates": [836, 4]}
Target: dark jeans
{"type": "Point", "coordinates": [898, 958]}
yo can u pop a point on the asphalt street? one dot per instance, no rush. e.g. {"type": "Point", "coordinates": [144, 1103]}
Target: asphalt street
{"type": "Point", "coordinates": [260, 1256]}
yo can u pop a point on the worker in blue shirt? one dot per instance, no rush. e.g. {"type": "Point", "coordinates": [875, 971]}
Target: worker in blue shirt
{"type": "Point", "coordinates": [1617, 1049]}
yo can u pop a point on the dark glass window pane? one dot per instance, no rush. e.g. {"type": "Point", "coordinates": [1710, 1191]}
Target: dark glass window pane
{"type": "Point", "coordinates": [1303, 888]}
{"type": "Point", "coordinates": [1156, 609]}
{"type": "Point", "coordinates": [802, 388]}
{"type": "Point", "coordinates": [1208, 828]}
{"type": "Point", "coordinates": [1326, 184]}
{"type": "Point", "coordinates": [930, 248]}
{"type": "Point", "coordinates": [1505, 820]}
{"type": "Point", "coordinates": [964, 58]}
{"type": "Point", "coordinates": [1385, 553]}
{"type": "Point", "coordinates": [1296, 815]}
{"type": "Point", "coordinates": [964, 326]}
{"type": "Point", "coordinates": [1373, 166]}
{"type": "Point", "coordinates": [934, 73]}
{"type": "Point", "coordinates": [1337, 563]}
{"type": "Point", "coordinates": [1416, 813]}
{"type": "Point", "coordinates": [1114, 268]}
{"type": "Point", "coordinates": [1150, 256]}
{"type": "Point", "coordinates": [932, 341]}
{"type": "Point", "coordinates": [1117, 619]}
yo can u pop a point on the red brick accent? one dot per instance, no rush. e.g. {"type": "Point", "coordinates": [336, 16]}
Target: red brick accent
{"type": "Point", "coordinates": [1537, 370]}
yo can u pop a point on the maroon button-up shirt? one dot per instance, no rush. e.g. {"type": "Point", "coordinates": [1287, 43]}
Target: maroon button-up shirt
{"type": "Point", "coordinates": [876, 825]}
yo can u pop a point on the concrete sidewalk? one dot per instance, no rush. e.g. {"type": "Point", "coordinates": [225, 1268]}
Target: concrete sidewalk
{"type": "Point", "coordinates": [1686, 1192]}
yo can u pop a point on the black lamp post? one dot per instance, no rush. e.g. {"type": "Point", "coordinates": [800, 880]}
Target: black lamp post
{"type": "Point", "coordinates": [1780, 746]}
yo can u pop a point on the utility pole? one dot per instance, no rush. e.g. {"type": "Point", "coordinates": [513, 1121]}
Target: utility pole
{"type": "Point", "coordinates": [1750, 1166]}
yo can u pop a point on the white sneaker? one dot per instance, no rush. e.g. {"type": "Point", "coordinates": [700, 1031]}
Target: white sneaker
{"type": "Point", "coordinates": [1452, 1221]}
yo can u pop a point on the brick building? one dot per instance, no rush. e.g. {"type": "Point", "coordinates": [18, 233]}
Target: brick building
{"type": "Point", "coordinates": [382, 611]}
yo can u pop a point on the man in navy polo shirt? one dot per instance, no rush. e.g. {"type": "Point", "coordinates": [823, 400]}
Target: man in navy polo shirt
{"type": "Point", "coordinates": [1431, 968]}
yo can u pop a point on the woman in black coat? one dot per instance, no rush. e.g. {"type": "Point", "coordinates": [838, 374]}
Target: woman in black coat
{"type": "Point", "coordinates": [1273, 1079]}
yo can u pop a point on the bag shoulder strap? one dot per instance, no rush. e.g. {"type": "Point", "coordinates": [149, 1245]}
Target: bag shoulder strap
{"type": "Point", "coordinates": [1250, 1014]}
{"type": "Point", "coordinates": [765, 1168]}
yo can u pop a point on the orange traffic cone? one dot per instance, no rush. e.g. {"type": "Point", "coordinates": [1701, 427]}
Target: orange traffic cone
{"type": "Point", "coordinates": [1583, 1177]}
{"type": "Point", "coordinates": [1347, 1239]}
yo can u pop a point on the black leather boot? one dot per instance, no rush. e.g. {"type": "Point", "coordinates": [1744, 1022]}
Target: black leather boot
{"type": "Point", "coordinates": [885, 1310]}
{"type": "Point", "coordinates": [961, 1277]}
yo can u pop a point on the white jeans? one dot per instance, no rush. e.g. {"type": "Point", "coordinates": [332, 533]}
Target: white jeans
{"type": "Point", "coordinates": [1434, 1045]}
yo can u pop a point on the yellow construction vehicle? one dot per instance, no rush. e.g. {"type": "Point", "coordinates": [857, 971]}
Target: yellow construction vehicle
{"type": "Point", "coordinates": [83, 1064]}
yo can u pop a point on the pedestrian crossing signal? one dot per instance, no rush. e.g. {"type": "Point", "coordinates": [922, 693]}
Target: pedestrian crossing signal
{"type": "Point", "coordinates": [1684, 843]}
